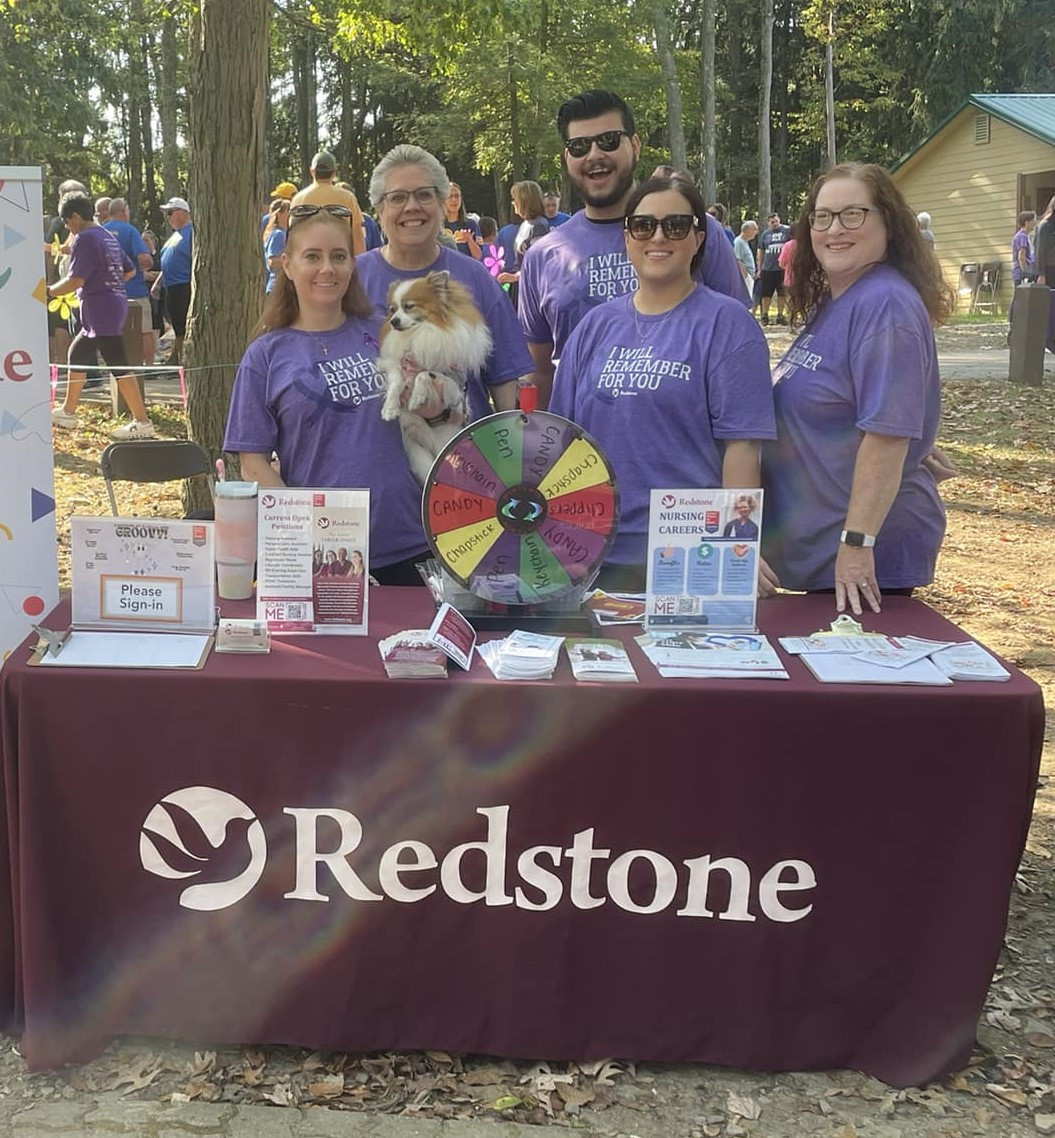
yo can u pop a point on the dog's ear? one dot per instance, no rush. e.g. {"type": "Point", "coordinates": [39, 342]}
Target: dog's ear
{"type": "Point", "coordinates": [440, 280]}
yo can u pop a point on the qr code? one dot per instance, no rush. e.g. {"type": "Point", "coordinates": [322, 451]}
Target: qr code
{"type": "Point", "coordinates": [688, 606]}
{"type": "Point", "coordinates": [296, 612]}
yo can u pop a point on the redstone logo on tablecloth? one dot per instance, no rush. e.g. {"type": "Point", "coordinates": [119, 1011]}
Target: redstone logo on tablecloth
{"type": "Point", "coordinates": [637, 881]}
{"type": "Point", "coordinates": [180, 821]}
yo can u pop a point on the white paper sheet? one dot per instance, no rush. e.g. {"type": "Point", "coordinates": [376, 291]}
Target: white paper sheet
{"type": "Point", "coordinates": [84, 649]}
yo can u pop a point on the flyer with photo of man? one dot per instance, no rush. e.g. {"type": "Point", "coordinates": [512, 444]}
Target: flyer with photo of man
{"type": "Point", "coordinates": [703, 551]}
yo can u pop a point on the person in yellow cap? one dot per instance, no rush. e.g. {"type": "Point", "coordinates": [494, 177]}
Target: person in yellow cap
{"type": "Point", "coordinates": [284, 190]}
{"type": "Point", "coordinates": [324, 192]}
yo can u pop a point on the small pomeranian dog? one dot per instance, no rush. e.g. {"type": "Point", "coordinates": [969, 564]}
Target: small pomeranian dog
{"type": "Point", "coordinates": [433, 339]}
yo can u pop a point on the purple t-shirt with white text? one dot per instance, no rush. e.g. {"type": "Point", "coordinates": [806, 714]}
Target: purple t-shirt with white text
{"type": "Point", "coordinates": [660, 393]}
{"type": "Point", "coordinates": [866, 363]}
{"type": "Point", "coordinates": [315, 399]}
{"type": "Point", "coordinates": [584, 263]}
{"type": "Point", "coordinates": [1022, 241]}
{"type": "Point", "coordinates": [509, 358]}
{"type": "Point", "coordinates": [98, 259]}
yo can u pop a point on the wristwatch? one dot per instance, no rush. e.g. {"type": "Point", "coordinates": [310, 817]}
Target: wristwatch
{"type": "Point", "coordinates": [855, 537]}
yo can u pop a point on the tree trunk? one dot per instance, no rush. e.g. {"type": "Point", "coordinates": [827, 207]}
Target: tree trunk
{"type": "Point", "coordinates": [765, 173]}
{"type": "Point", "coordinates": [514, 114]}
{"type": "Point", "coordinates": [829, 85]}
{"type": "Point", "coordinates": [167, 108]}
{"type": "Point", "coordinates": [679, 158]}
{"type": "Point", "coordinates": [228, 71]}
{"type": "Point", "coordinates": [710, 155]}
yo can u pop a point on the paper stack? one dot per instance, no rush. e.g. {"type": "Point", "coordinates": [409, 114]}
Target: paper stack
{"type": "Point", "coordinates": [604, 660]}
{"type": "Point", "coordinates": [745, 656]}
{"type": "Point", "coordinates": [411, 655]}
{"type": "Point", "coordinates": [522, 656]}
{"type": "Point", "coordinates": [969, 661]}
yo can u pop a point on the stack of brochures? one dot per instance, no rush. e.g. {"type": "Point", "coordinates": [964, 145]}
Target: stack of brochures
{"type": "Point", "coordinates": [412, 655]}
{"type": "Point", "coordinates": [603, 660]}
{"type": "Point", "coordinates": [877, 659]}
{"type": "Point", "coordinates": [703, 655]}
{"type": "Point", "coordinates": [616, 608]}
{"type": "Point", "coordinates": [522, 656]}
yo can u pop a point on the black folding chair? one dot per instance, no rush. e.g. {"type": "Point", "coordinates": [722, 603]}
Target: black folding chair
{"type": "Point", "coordinates": [162, 460]}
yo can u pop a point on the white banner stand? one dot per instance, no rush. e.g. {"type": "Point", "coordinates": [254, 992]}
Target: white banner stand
{"type": "Point", "coordinates": [29, 576]}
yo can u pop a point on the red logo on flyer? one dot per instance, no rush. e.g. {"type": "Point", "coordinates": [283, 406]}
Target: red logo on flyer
{"type": "Point", "coordinates": [197, 535]}
{"type": "Point", "coordinates": [318, 500]}
{"type": "Point", "coordinates": [711, 520]}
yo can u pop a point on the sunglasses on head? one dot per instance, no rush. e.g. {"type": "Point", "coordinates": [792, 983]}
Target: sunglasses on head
{"type": "Point", "coordinates": [301, 212]}
{"type": "Point", "coordinates": [676, 226]}
{"type": "Point", "coordinates": [607, 140]}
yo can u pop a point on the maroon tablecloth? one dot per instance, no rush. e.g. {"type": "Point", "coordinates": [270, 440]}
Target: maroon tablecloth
{"type": "Point", "coordinates": [766, 874]}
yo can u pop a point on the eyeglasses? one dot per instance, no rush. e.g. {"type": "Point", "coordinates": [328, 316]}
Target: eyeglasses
{"type": "Point", "coordinates": [607, 140]}
{"type": "Point", "coordinates": [852, 217]}
{"type": "Point", "coordinates": [423, 195]}
{"type": "Point", "coordinates": [301, 212]}
{"type": "Point", "coordinates": [676, 226]}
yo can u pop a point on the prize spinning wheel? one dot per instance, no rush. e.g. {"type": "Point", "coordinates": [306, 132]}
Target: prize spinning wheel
{"type": "Point", "coordinates": [521, 508]}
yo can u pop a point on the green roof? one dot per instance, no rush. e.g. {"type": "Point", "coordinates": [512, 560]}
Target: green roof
{"type": "Point", "coordinates": [1032, 114]}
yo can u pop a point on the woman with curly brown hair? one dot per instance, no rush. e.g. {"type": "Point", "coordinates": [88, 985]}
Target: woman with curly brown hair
{"type": "Point", "coordinates": [850, 503]}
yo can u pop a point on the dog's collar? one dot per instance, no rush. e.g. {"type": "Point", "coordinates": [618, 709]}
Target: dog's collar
{"type": "Point", "coordinates": [443, 417]}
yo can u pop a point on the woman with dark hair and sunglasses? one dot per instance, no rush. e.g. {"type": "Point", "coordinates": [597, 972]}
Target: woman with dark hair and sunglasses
{"type": "Point", "coordinates": [672, 379]}
{"type": "Point", "coordinates": [851, 503]}
{"type": "Point", "coordinates": [307, 390]}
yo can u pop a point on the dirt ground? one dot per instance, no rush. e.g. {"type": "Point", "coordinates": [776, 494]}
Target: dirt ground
{"type": "Point", "coordinates": [995, 579]}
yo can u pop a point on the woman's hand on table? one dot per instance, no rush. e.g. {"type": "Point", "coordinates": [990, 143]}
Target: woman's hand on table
{"type": "Point", "coordinates": [855, 579]}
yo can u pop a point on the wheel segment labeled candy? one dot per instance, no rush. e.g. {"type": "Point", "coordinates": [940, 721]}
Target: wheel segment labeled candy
{"type": "Point", "coordinates": [521, 508]}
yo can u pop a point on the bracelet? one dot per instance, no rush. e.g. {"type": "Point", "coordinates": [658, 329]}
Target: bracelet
{"type": "Point", "coordinates": [441, 418]}
{"type": "Point", "coordinates": [854, 537]}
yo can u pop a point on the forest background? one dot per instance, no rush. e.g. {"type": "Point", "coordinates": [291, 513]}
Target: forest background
{"type": "Point", "coordinates": [99, 90]}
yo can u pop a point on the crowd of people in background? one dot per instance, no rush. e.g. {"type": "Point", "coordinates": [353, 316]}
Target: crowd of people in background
{"type": "Point", "coordinates": [641, 317]}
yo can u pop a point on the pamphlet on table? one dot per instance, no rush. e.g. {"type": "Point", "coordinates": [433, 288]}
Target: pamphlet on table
{"type": "Point", "coordinates": [142, 574]}
{"type": "Point", "coordinates": [313, 559]}
{"type": "Point", "coordinates": [703, 551]}
{"type": "Point", "coordinates": [703, 655]}
{"type": "Point", "coordinates": [600, 660]}
{"type": "Point", "coordinates": [521, 656]}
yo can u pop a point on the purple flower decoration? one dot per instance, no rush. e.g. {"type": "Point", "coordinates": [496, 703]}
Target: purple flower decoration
{"type": "Point", "coordinates": [493, 259]}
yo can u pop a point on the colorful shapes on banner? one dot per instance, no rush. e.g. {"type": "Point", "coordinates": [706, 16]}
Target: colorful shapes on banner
{"type": "Point", "coordinates": [10, 423]}
{"type": "Point", "coordinates": [6, 532]}
{"type": "Point", "coordinates": [41, 291]}
{"type": "Point", "coordinates": [5, 276]}
{"type": "Point", "coordinates": [16, 194]}
{"type": "Point", "coordinates": [12, 237]}
{"type": "Point", "coordinates": [40, 504]}
{"type": "Point", "coordinates": [33, 606]}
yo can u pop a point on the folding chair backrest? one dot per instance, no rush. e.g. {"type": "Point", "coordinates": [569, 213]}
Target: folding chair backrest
{"type": "Point", "coordinates": [163, 460]}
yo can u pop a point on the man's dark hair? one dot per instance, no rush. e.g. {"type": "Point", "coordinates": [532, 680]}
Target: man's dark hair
{"type": "Point", "coordinates": [590, 104]}
{"type": "Point", "coordinates": [76, 203]}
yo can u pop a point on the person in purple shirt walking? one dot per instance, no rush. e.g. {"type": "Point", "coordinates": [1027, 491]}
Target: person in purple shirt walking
{"type": "Point", "coordinates": [851, 501]}
{"type": "Point", "coordinates": [672, 380]}
{"type": "Point", "coordinates": [98, 271]}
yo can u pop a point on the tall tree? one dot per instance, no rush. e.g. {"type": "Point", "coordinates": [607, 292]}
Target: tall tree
{"type": "Point", "coordinates": [708, 14]}
{"type": "Point", "coordinates": [668, 65]}
{"type": "Point", "coordinates": [228, 67]}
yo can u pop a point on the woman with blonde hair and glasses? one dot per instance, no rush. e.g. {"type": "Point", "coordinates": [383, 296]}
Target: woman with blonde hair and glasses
{"type": "Point", "coordinates": [851, 503]}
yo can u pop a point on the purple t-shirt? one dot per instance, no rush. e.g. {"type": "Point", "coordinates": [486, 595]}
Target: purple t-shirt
{"type": "Point", "coordinates": [659, 392]}
{"type": "Point", "coordinates": [1022, 240]}
{"type": "Point", "coordinates": [98, 259]}
{"type": "Point", "coordinates": [509, 359]}
{"type": "Point", "coordinates": [584, 263]}
{"type": "Point", "coordinates": [866, 362]}
{"type": "Point", "coordinates": [315, 399]}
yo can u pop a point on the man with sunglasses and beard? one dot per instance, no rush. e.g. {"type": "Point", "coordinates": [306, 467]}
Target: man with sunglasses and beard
{"type": "Point", "coordinates": [584, 263]}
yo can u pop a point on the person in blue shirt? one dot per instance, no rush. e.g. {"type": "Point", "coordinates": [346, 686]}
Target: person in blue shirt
{"type": "Point", "coordinates": [139, 329]}
{"type": "Point", "coordinates": [176, 269]}
{"type": "Point", "coordinates": [554, 214]}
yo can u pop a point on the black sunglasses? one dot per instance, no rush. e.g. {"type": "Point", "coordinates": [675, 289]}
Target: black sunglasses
{"type": "Point", "coordinates": [607, 140]}
{"type": "Point", "coordinates": [676, 226]}
{"type": "Point", "coordinates": [301, 212]}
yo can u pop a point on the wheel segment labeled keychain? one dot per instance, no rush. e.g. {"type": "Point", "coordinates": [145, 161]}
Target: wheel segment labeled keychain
{"type": "Point", "coordinates": [521, 508]}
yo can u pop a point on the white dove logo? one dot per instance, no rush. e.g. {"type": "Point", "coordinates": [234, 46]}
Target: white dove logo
{"type": "Point", "coordinates": [213, 811]}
